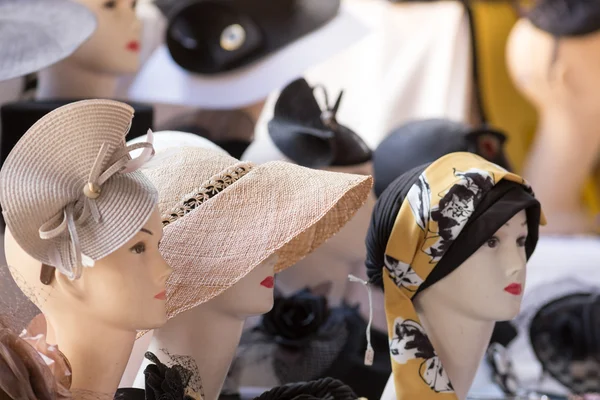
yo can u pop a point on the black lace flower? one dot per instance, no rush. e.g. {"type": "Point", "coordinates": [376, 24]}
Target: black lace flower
{"type": "Point", "coordinates": [163, 382]}
{"type": "Point", "coordinates": [295, 320]}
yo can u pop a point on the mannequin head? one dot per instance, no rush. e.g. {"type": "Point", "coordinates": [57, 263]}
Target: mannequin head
{"type": "Point", "coordinates": [115, 45]}
{"type": "Point", "coordinates": [90, 253]}
{"type": "Point", "coordinates": [449, 240]}
{"type": "Point", "coordinates": [124, 289]}
{"type": "Point", "coordinates": [251, 295]}
{"type": "Point", "coordinates": [491, 280]}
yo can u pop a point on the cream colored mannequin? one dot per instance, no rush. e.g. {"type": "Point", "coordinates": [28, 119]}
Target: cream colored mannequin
{"type": "Point", "coordinates": [459, 312]}
{"type": "Point", "coordinates": [94, 320]}
{"type": "Point", "coordinates": [565, 88]}
{"type": "Point", "coordinates": [112, 51]}
{"type": "Point", "coordinates": [210, 333]}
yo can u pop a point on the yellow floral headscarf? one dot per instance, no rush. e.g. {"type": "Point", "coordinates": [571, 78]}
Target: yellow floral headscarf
{"type": "Point", "coordinates": [432, 215]}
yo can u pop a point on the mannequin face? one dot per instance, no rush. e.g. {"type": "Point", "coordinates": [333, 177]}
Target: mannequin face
{"type": "Point", "coordinates": [114, 47]}
{"type": "Point", "coordinates": [488, 285]}
{"type": "Point", "coordinates": [125, 290]}
{"type": "Point", "coordinates": [251, 295]}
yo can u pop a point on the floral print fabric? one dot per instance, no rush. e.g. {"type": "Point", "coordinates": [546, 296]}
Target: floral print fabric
{"type": "Point", "coordinates": [433, 214]}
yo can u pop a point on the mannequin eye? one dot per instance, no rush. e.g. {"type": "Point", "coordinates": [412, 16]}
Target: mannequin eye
{"type": "Point", "coordinates": [110, 4]}
{"type": "Point", "coordinates": [493, 242]}
{"type": "Point", "coordinates": [134, 5]}
{"type": "Point", "coordinates": [521, 241]}
{"type": "Point", "coordinates": [138, 248]}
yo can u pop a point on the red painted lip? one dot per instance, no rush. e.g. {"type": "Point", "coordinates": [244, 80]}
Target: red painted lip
{"type": "Point", "coordinates": [162, 295]}
{"type": "Point", "coordinates": [268, 282]}
{"type": "Point", "coordinates": [133, 46]}
{"type": "Point", "coordinates": [514, 288]}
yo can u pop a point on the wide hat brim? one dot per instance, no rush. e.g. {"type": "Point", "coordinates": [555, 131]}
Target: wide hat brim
{"type": "Point", "coordinates": [162, 80]}
{"type": "Point", "coordinates": [38, 33]}
{"type": "Point", "coordinates": [277, 207]}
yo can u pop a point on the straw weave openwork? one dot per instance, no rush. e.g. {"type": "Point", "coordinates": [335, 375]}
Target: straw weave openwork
{"type": "Point", "coordinates": [50, 165]}
{"type": "Point", "coordinates": [274, 207]}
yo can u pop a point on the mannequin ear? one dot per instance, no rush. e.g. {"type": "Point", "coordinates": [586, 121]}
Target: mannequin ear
{"type": "Point", "coordinates": [72, 288]}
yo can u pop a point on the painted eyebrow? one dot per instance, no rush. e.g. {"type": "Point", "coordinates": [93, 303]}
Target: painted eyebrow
{"type": "Point", "coordinates": [146, 231]}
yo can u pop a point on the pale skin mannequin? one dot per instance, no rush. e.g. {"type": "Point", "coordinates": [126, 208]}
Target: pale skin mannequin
{"type": "Point", "coordinates": [94, 320]}
{"type": "Point", "coordinates": [565, 89]}
{"type": "Point", "coordinates": [93, 70]}
{"type": "Point", "coordinates": [458, 313]}
{"type": "Point", "coordinates": [210, 332]}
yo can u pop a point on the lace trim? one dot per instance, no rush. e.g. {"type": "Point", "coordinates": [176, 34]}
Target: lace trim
{"type": "Point", "coordinates": [211, 188]}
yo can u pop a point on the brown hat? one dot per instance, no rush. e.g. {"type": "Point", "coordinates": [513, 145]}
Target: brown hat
{"type": "Point", "coordinates": [223, 217]}
{"type": "Point", "coordinates": [68, 190]}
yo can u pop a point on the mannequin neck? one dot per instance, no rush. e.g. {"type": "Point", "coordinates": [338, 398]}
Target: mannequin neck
{"type": "Point", "coordinates": [566, 148]}
{"type": "Point", "coordinates": [98, 353]}
{"type": "Point", "coordinates": [460, 340]}
{"type": "Point", "coordinates": [207, 335]}
{"type": "Point", "coordinates": [66, 80]}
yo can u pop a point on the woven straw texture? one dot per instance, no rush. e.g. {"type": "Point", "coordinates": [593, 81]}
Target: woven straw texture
{"type": "Point", "coordinates": [38, 33]}
{"type": "Point", "coordinates": [275, 207]}
{"type": "Point", "coordinates": [48, 168]}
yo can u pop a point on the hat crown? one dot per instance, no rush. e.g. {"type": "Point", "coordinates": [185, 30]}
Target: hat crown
{"type": "Point", "coordinates": [70, 165]}
{"type": "Point", "coordinates": [57, 167]}
{"type": "Point", "coordinates": [181, 171]}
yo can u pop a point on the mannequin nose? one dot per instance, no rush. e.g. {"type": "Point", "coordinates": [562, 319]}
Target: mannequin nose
{"type": "Point", "coordinates": [166, 270]}
{"type": "Point", "coordinates": [515, 262]}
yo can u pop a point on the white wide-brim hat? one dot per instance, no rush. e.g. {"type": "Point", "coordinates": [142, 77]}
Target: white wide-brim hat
{"type": "Point", "coordinates": [35, 34]}
{"type": "Point", "coordinates": [161, 80]}
{"type": "Point", "coordinates": [164, 140]}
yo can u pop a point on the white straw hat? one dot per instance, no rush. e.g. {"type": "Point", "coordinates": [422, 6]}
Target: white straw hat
{"type": "Point", "coordinates": [69, 190]}
{"type": "Point", "coordinates": [35, 34]}
{"type": "Point", "coordinates": [163, 140]}
{"type": "Point", "coordinates": [224, 217]}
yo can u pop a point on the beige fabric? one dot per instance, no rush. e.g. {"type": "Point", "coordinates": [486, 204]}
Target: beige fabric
{"type": "Point", "coordinates": [274, 207]}
{"type": "Point", "coordinates": [43, 181]}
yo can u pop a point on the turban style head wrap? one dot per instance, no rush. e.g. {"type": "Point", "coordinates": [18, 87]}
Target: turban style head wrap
{"type": "Point", "coordinates": [424, 226]}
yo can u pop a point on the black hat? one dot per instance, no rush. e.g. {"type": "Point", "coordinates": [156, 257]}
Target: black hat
{"type": "Point", "coordinates": [210, 37]}
{"type": "Point", "coordinates": [424, 141]}
{"type": "Point", "coordinates": [564, 336]}
{"type": "Point", "coordinates": [566, 17]}
{"type": "Point", "coordinates": [312, 137]}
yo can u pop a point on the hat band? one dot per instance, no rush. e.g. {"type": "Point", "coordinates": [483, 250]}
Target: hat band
{"type": "Point", "coordinates": [208, 190]}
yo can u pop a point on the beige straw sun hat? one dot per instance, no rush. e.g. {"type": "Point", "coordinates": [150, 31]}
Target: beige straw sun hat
{"type": "Point", "coordinates": [223, 217]}
{"type": "Point", "coordinates": [69, 190]}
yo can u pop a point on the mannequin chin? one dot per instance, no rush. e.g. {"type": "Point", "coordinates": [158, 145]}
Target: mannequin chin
{"type": "Point", "coordinates": [491, 280]}
{"type": "Point", "coordinates": [252, 295]}
{"type": "Point", "coordinates": [114, 47]}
